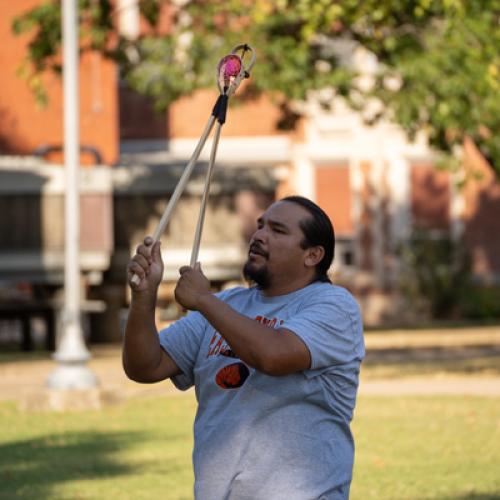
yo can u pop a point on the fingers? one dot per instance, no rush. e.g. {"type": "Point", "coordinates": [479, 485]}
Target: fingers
{"type": "Point", "coordinates": [134, 280]}
{"type": "Point", "coordinates": [145, 249]}
{"type": "Point", "coordinates": [149, 250]}
{"type": "Point", "coordinates": [184, 269]}
{"type": "Point", "coordinates": [141, 262]}
{"type": "Point", "coordinates": [135, 273]}
{"type": "Point", "coordinates": [156, 251]}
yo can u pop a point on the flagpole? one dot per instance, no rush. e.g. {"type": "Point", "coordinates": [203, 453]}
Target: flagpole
{"type": "Point", "coordinates": [71, 354]}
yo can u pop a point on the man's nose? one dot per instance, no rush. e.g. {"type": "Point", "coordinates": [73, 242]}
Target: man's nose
{"type": "Point", "coordinates": [259, 234]}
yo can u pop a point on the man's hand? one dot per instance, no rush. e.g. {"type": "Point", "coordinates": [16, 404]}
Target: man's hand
{"type": "Point", "coordinates": [147, 264]}
{"type": "Point", "coordinates": [192, 285]}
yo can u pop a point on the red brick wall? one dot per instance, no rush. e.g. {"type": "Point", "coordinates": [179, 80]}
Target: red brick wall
{"type": "Point", "coordinates": [430, 197]}
{"type": "Point", "coordinates": [23, 126]}
{"type": "Point", "coordinates": [188, 116]}
{"type": "Point", "coordinates": [138, 118]}
{"type": "Point", "coordinates": [482, 213]}
{"type": "Point", "coordinates": [366, 218]}
{"type": "Point", "coordinates": [333, 194]}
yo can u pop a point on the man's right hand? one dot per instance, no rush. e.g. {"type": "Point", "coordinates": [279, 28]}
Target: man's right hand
{"type": "Point", "coordinates": [147, 265]}
{"type": "Point", "coordinates": [144, 360]}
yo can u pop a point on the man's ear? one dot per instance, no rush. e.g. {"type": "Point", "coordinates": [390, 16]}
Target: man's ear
{"type": "Point", "coordinates": [314, 256]}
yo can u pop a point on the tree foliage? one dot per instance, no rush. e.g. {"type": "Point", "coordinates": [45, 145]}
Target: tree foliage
{"type": "Point", "coordinates": [438, 71]}
{"type": "Point", "coordinates": [435, 274]}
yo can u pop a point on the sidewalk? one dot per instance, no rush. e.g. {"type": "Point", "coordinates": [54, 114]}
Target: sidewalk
{"type": "Point", "coordinates": [432, 386]}
{"type": "Point", "coordinates": [439, 349]}
{"type": "Point", "coordinates": [416, 346]}
{"type": "Point", "coordinates": [20, 378]}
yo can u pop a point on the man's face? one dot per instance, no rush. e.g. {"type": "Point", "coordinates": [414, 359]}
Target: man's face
{"type": "Point", "coordinates": [275, 251]}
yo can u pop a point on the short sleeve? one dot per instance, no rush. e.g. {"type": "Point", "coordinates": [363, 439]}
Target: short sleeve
{"type": "Point", "coordinates": [182, 341]}
{"type": "Point", "coordinates": [330, 326]}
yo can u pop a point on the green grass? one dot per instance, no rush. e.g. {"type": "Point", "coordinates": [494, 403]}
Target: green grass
{"type": "Point", "coordinates": [407, 448]}
{"type": "Point", "coordinates": [13, 354]}
{"type": "Point", "coordinates": [427, 447]}
{"type": "Point", "coordinates": [140, 450]}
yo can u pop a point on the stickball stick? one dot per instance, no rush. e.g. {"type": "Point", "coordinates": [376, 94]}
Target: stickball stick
{"type": "Point", "coordinates": [230, 73]}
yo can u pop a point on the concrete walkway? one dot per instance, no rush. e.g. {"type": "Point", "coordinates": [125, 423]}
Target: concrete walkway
{"type": "Point", "coordinates": [432, 386]}
{"type": "Point", "coordinates": [20, 379]}
{"type": "Point", "coordinates": [438, 348]}
{"type": "Point", "coordinates": [23, 377]}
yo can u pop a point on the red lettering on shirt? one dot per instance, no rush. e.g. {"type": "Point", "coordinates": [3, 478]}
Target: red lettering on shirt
{"type": "Point", "coordinates": [271, 322]}
{"type": "Point", "coordinates": [218, 346]}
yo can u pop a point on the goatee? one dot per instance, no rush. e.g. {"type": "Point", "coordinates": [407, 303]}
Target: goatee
{"type": "Point", "coordinates": [259, 276]}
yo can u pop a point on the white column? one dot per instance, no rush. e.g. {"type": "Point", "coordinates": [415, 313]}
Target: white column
{"type": "Point", "coordinates": [129, 18]}
{"type": "Point", "coordinates": [305, 175]}
{"type": "Point", "coordinates": [71, 354]}
{"type": "Point", "coordinates": [400, 200]}
{"type": "Point", "coordinates": [457, 208]}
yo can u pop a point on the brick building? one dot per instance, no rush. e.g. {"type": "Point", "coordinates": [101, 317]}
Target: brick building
{"type": "Point", "coordinates": [374, 184]}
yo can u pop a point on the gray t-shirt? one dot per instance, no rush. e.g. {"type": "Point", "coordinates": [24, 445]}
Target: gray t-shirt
{"type": "Point", "coordinates": [260, 437]}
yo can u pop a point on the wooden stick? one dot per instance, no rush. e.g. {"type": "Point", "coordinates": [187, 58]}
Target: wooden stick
{"type": "Point", "coordinates": [204, 199]}
{"type": "Point", "coordinates": [183, 180]}
{"type": "Point", "coordinates": [181, 185]}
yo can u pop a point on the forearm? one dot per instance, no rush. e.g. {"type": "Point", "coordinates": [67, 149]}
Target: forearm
{"type": "Point", "coordinates": [141, 347]}
{"type": "Point", "coordinates": [260, 346]}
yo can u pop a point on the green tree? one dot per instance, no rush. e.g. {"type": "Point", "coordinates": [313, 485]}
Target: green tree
{"type": "Point", "coordinates": [435, 274]}
{"type": "Point", "coordinates": [439, 60]}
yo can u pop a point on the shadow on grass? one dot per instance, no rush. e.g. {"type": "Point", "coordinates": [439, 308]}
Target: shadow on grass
{"type": "Point", "coordinates": [32, 468]}
{"type": "Point", "coordinates": [471, 359]}
{"type": "Point", "coordinates": [13, 355]}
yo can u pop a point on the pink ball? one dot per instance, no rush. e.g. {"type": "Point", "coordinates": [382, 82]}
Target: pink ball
{"type": "Point", "coordinates": [229, 66]}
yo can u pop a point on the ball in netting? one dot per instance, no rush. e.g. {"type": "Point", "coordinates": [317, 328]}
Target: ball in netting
{"type": "Point", "coordinates": [229, 68]}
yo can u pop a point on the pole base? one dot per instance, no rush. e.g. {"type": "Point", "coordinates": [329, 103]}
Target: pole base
{"type": "Point", "coordinates": [72, 376]}
{"type": "Point", "coordinates": [53, 400]}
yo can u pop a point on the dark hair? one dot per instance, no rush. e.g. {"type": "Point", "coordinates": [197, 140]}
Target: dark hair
{"type": "Point", "coordinates": [318, 231]}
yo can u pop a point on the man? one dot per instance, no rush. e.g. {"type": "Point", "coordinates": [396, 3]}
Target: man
{"type": "Point", "coordinates": [275, 366]}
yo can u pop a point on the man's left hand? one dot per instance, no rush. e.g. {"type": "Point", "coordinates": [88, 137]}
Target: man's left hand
{"type": "Point", "coordinates": [192, 285]}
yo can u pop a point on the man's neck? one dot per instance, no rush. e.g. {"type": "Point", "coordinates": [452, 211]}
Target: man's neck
{"type": "Point", "coordinates": [276, 289]}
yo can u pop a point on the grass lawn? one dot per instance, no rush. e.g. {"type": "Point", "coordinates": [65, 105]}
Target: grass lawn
{"type": "Point", "coordinates": [427, 447]}
{"type": "Point", "coordinates": [407, 448]}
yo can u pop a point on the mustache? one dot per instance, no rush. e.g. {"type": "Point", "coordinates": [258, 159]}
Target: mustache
{"type": "Point", "coordinates": [256, 248]}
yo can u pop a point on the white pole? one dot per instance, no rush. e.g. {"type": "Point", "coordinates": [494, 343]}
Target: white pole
{"type": "Point", "coordinates": [71, 354]}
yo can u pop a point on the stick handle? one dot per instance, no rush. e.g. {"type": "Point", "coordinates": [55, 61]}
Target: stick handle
{"type": "Point", "coordinates": [204, 199]}
{"type": "Point", "coordinates": [181, 185]}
